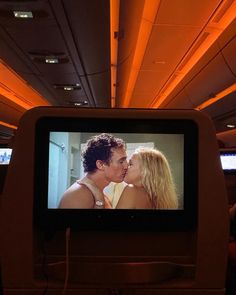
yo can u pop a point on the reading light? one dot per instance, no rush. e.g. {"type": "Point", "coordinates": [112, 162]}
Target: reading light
{"type": "Point", "coordinates": [49, 57]}
{"type": "Point", "coordinates": [230, 125]}
{"type": "Point", "coordinates": [81, 103]}
{"type": "Point", "coordinates": [51, 60]}
{"type": "Point", "coordinates": [68, 87]}
{"type": "Point", "coordinates": [23, 14]}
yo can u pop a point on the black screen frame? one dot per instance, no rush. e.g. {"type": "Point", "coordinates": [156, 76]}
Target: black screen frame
{"type": "Point", "coordinates": [116, 219]}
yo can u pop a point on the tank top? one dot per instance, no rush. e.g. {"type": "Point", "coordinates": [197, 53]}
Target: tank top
{"type": "Point", "coordinates": [100, 200]}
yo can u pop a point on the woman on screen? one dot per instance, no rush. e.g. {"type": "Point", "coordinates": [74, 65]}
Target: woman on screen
{"type": "Point", "coordinates": [150, 184]}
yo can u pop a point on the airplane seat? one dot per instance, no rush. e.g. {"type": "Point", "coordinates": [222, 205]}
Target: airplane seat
{"type": "Point", "coordinates": [187, 262]}
{"type": "Point", "coordinates": [3, 173]}
{"type": "Point", "coordinates": [231, 269]}
{"type": "Point", "coordinates": [230, 183]}
{"type": "Point", "coordinates": [232, 254]}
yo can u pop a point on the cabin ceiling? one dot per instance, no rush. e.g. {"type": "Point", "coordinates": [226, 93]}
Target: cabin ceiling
{"type": "Point", "coordinates": [77, 32]}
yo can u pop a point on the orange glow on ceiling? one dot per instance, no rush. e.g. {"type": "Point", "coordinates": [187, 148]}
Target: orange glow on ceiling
{"type": "Point", "coordinates": [227, 132]}
{"type": "Point", "coordinates": [8, 125]}
{"type": "Point", "coordinates": [148, 18]}
{"type": "Point", "coordinates": [114, 28]}
{"type": "Point", "coordinates": [215, 30]}
{"type": "Point", "coordinates": [15, 89]}
{"type": "Point", "coordinates": [218, 96]}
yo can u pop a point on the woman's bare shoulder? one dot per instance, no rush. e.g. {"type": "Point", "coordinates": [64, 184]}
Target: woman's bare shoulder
{"type": "Point", "coordinates": [134, 198]}
{"type": "Point", "coordinates": [127, 198]}
{"type": "Point", "coordinates": [129, 188]}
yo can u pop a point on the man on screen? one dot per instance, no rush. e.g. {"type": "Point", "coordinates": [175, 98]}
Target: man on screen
{"type": "Point", "coordinates": [104, 160]}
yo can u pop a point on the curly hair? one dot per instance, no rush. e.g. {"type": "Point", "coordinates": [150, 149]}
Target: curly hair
{"type": "Point", "coordinates": [157, 179]}
{"type": "Point", "coordinates": [99, 147]}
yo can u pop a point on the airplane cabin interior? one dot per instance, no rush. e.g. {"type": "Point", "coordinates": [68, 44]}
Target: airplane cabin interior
{"type": "Point", "coordinates": [160, 74]}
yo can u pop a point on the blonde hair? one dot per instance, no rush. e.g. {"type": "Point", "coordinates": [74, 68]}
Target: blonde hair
{"type": "Point", "coordinates": [156, 178]}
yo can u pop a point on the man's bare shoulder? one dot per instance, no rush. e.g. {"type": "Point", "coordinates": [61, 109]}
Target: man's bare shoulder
{"type": "Point", "coordinates": [77, 196]}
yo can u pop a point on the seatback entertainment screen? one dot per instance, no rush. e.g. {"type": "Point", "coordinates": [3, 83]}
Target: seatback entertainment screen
{"type": "Point", "coordinates": [116, 173]}
{"type": "Point", "coordinates": [228, 161]}
{"type": "Point", "coordinates": [5, 156]}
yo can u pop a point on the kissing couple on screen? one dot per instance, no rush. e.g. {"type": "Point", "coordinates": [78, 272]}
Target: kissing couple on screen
{"type": "Point", "coordinates": [147, 177]}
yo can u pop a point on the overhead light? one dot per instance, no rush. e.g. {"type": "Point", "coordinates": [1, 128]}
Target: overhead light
{"type": "Point", "coordinates": [68, 87]}
{"type": "Point", "coordinates": [49, 57]}
{"type": "Point", "coordinates": [51, 60]}
{"type": "Point", "coordinates": [230, 125]}
{"type": "Point", "coordinates": [81, 103]}
{"type": "Point", "coordinates": [216, 97]}
{"type": "Point", "coordinates": [23, 14]}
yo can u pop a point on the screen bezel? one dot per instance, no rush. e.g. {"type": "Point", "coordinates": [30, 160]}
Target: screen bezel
{"type": "Point", "coordinates": [117, 219]}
